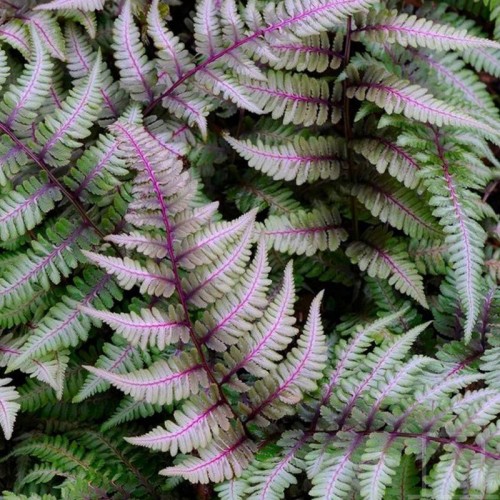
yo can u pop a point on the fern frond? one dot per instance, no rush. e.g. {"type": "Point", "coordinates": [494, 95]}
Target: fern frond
{"type": "Point", "coordinates": [50, 258]}
{"type": "Point", "coordinates": [60, 133]}
{"type": "Point", "coordinates": [128, 410]}
{"type": "Point", "coordinates": [409, 30]}
{"type": "Point", "coordinates": [298, 98]}
{"type": "Point", "coordinates": [226, 456]}
{"type": "Point", "coordinates": [233, 315]}
{"type": "Point", "coordinates": [22, 100]}
{"type": "Point", "coordinates": [115, 357]}
{"type": "Point", "coordinates": [50, 369]}
{"type": "Point", "coordinates": [210, 282]}
{"type": "Point", "coordinates": [8, 407]}
{"type": "Point", "coordinates": [465, 237]}
{"type": "Point", "coordinates": [338, 472]}
{"type": "Point", "coordinates": [84, 5]}
{"type": "Point", "coordinates": [136, 71]}
{"type": "Point", "coordinates": [202, 247]}
{"type": "Point", "coordinates": [381, 457]}
{"type": "Point", "coordinates": [270, 478]}
{"type": "Point", "coordinates": [303, 232]}
{"type": "Point", "coordinates": [148, 327]}
{"type": "Point", "coordinates": [271, 334]}
{"type": "Point", "coordinates": [398, 206]}
{"type": "Point", "coordinates": [197, 423]}
{"type": "Point", "coordinates": [154, 279]}
{"type": "Point", "coordinates": [14, 33]}
{"type": "Point", "coordinates": [388, 156]}
{"type": "Point", "coordinates": [385, 258]}
{"type": "Point", "coordinates": [50, 33]}
{"type": "Point", "coordinates": [305, 18]}
{"type": "Point", "coordinates": [81, 58]}
{"type": "Point", "coordinates": [399, 96]}
{"type": "Point", "coordinates": [24, 208]}
{"type": "Point", "coordinates": [313, 54]}
{"type": "Point", "coordinates": [218, 83]}
{"type": "Point", "coordinates": [164, 382]}
{"type": "Point", "coordinates": [98, 170]}
{"type": "Point", "coordinates": [301, 160]}
{"type": "Point", "coordinates": [64, 325]}
{"type": "Point", "coordinates": [299, 372]}
{"type": "Point", "coordinates": [175, 59]}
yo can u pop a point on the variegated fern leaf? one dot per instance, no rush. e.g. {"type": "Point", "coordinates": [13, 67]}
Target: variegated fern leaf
{"type": "Point", "coordinates": [260, 242]}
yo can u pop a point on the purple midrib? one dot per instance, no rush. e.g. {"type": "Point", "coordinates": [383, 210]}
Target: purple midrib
{"type": "Point", "coordinates": [8, 34]}
{"type": "Point", "coordinates": [131, 57]}
{"type": "Point", "coordinates": [235, 311]}
{"type": "Point", "coordinates": [211, 239]}
{"type": "Point", "coordinates": [66, 243]}
{"type": "Point", "coordinates": [256, 349]}
{"type": "Point", "coordinates": [173, 435]}
{"type": "Point", "coordinates": [96, 170]}
{"type": "Point", "coordinates": [18, 106]}
{"type": "Point", "coordinates": [59, 133]}
{"type": "Point", "coordinates": [152, 383]}
{"type": "Point", "coordinates": [243, 41]}
{"type": "Point", "coordinates": [288, 95]}
{"type": "Point", "coordinates": [104, 94]}
{"type": "Point", "coordinates": [227, 451]}
{"type": "Point", "coordinates": [28, 201]}
{"type": "Point", "coordinates": [90, 296]}
{"type": "Point", "coordinates": [389, 27]}
{"type": "Point", "coordinates": [401, 95]}
{"type": "Point", "coordinates": [290, 379]}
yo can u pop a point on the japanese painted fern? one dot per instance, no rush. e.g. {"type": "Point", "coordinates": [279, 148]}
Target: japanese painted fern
{"type": "Point", "coordinates": [249, 256]}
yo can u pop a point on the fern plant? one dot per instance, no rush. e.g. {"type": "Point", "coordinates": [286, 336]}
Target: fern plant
{"type": "Point", "coordinates": [249, 249]}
